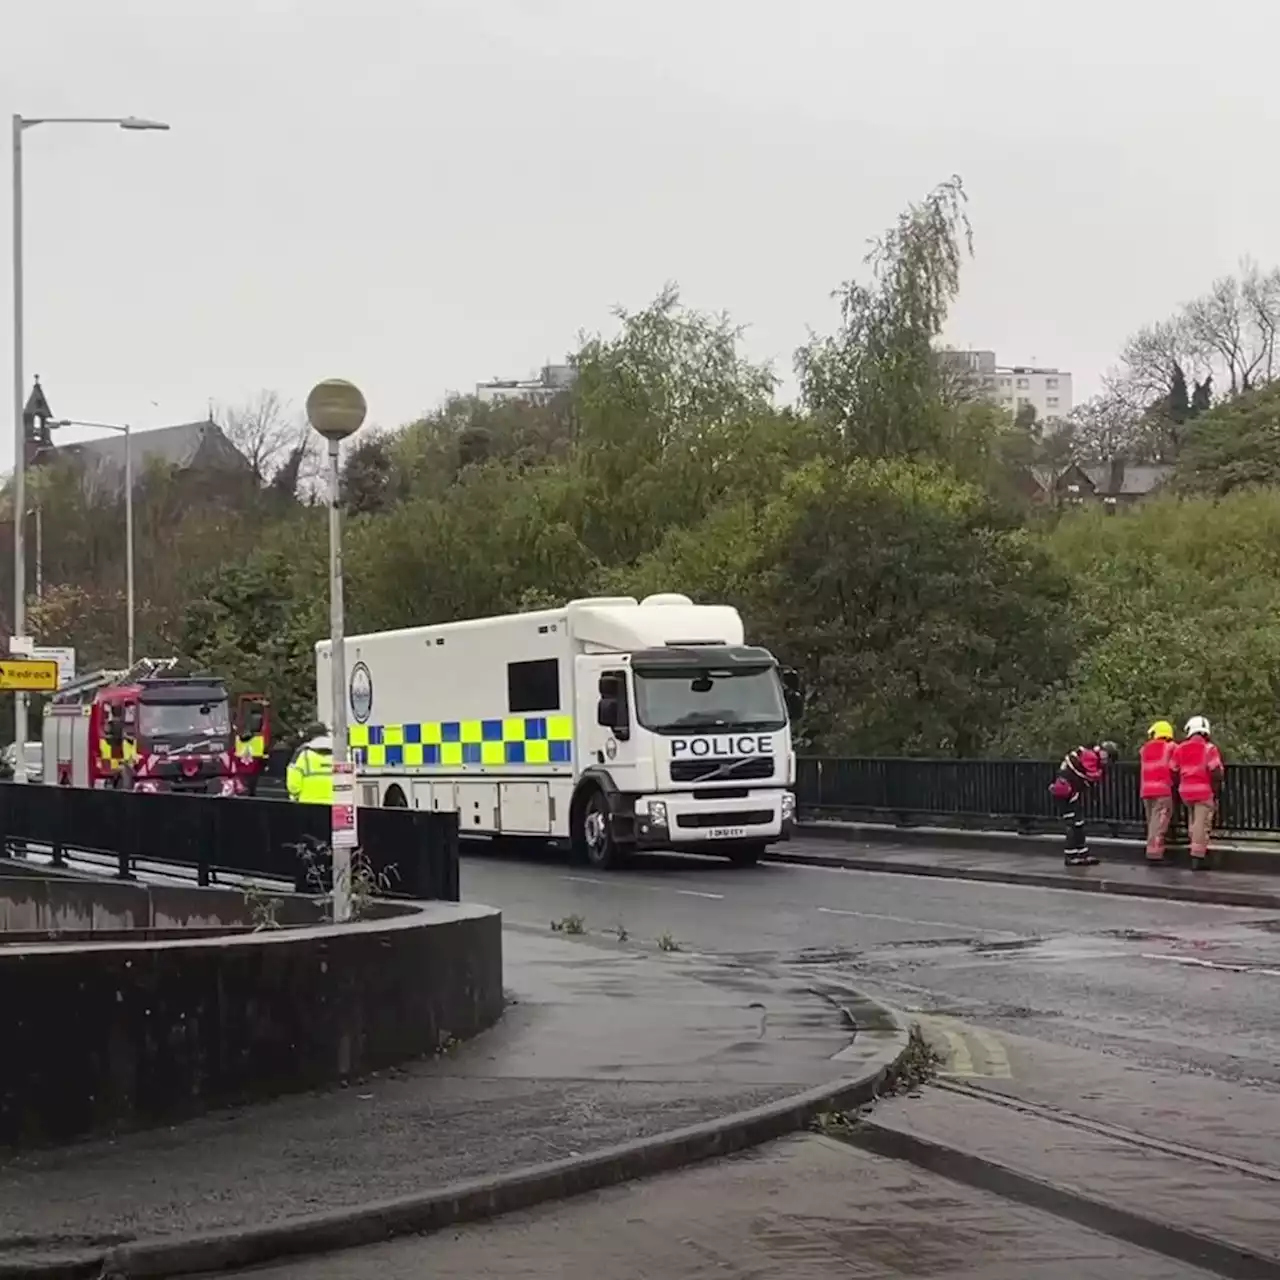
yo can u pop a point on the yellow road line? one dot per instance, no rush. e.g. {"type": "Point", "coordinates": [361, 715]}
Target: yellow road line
{"type": "Point", "coordinates": [960, 1062]}
{"type": "Point", "coordinates": [956, 1041]}
{"type": "Point", "coordinates": [996, 1054]}
{"type": "Point", "coordinates": [949, 1043]}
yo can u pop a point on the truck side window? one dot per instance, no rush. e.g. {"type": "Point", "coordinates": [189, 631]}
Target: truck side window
{"type": "Point", "coordinates": [533, 686]}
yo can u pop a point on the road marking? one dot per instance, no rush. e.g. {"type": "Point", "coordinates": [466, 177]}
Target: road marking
{"type": "Point", "coordinates": [926, 924]}
{"type": "Point", "coordinates": [956, 1041]}
{"type": "Point", "coordinates": [1198, 963]}
{"type": "Point", "coordinates": [650, 888]}
{"type": "Point", "coordinates": [960, 1060]}
{"type": "Point", "coordinates": [997, 1058]}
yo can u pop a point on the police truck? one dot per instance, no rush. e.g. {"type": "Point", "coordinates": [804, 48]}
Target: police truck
{"type": "Point", "coordinates": [610, 725]}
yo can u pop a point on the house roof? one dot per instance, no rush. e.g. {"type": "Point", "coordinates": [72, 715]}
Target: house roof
{"type": "Point", "coordinates": [1135, 479]}
{"type": "Point", "coordinates": [184, 446]}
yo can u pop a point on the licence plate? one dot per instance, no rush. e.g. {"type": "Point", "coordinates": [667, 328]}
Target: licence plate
{"type": "Point", "coordinates": [728, 833]}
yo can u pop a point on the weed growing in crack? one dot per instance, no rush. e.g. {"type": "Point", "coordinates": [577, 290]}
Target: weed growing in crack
{"type": "Point", "coordinates": [365, 882]}
{"type": "Point", "coordinates": [915, 1066]}
{"type": "Point", "coordinates": [264, 909]}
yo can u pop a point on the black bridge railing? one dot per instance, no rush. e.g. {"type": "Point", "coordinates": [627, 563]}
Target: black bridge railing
{"type": "Point", "coordinates": [1008, 794]}
{"type": "Point", "coordinates": [408, 852]}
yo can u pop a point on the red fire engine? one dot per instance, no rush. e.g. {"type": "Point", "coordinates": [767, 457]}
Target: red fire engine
{"type": "Point", "coordinates": [150, 729]}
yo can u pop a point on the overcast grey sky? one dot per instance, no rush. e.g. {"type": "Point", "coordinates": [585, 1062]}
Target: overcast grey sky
{"type": "Point", "coordinates": [417, 194]}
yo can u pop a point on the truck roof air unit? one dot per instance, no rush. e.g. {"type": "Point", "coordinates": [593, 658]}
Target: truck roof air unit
{"type": "Point", "coordinates": [665, 598]}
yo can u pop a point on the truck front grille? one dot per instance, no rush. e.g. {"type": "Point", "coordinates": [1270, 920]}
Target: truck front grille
{"type": "Point", "coordinates": [726, 818]}
{"type": "Point", "coordinates": [735, 770]}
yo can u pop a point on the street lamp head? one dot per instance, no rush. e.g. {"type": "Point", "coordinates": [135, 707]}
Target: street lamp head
{"type": "Point", "coordinates": [336, 408]}
{"type": "Point", "coordinates": [140, 124]}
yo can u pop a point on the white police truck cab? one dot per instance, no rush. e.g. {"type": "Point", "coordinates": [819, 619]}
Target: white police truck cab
{"type": "Point", "coordinates": [608, 724]}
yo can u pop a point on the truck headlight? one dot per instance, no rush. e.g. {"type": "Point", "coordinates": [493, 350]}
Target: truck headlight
{"type": "Point", "coordinates": [658, 813]}
{"type": "Point", "coordinates": [788, 806]}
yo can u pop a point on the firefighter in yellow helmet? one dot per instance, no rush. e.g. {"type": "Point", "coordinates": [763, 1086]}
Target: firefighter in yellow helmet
{"type": "Point", "coordinates": [1156, 786]}
{"type": "Point", "coordinates": [310, 774]}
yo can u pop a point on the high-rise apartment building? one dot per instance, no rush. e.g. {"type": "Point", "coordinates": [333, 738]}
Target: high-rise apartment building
{"type": "Point", "coordinates": [553, 379]}
{"type": "Point", "coordinates": [1012, 386]}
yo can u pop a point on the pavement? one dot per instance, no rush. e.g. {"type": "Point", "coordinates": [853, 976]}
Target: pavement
{"type": "Point", "coordinates": [605, 1042]}
{"type": "Point", "coordinates": [1177, 1193]}
{"type": "Point", "coordinates": [807, 1208]}
{"type": "Point", "coordinates": [995, 857]}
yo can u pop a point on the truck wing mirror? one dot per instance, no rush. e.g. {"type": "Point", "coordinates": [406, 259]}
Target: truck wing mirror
{"type": "Point", "coordinates": [793, 693]}
{"type": "Point", "coordinates": [612, 711]}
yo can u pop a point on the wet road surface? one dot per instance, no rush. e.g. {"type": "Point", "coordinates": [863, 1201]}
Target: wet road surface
{"type": "Point", "coordinates": [1174, 986]}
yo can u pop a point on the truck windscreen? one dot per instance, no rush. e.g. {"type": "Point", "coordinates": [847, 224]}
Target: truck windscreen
{"type": "Point", "coordinates": [677, 699]}
{"type": "Point", "coordinates": [184, 719]}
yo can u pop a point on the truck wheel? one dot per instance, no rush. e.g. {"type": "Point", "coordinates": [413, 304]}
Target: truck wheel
{"type": "Point", "coordinates": [592, 839]}
{"type": "Point", "coordinates": [395, 798]}
{"type": "Point", "coordinates": [748, 855]}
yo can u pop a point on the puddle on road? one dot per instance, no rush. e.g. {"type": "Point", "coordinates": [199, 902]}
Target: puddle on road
{"type": "Point", "coordinates": [984, 946]}
{"type": "Point", "coordinates": [822, 955]}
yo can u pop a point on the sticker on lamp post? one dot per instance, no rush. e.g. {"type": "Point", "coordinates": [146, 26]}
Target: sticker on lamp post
{"type": "Point", "coordinates": [344, 806]}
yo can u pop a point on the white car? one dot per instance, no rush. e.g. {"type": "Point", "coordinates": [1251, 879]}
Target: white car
{"type": "Point", "coordinates": [35, 760]}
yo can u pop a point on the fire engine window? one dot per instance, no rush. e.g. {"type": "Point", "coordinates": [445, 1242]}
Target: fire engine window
{"type": "Point", "coordinates": [533, 686]}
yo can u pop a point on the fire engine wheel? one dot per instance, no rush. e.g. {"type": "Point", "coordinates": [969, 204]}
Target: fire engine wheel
{"type": "Point", "coordinates": [395, 798]}
{"type": "Point", "coordinates": [592, 840]}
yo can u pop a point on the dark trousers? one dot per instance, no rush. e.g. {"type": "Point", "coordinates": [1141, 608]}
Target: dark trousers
{"type": "Point", "coordinates": [1073, 820]}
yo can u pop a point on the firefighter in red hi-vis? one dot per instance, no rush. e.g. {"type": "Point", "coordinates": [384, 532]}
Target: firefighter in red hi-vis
{"type": "Point", "coordinates": [1081, 769]}
{"type": "Point", "coordinates": [1197, 765]}
{"type": "Point", "coordinates": [1156, 786]}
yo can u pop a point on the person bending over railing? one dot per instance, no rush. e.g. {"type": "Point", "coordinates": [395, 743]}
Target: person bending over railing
{"type": "Point", "coordinates": [1082, 768]}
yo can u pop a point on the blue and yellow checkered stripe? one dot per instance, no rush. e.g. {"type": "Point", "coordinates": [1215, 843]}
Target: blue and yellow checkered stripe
{"type": "Point", "coordinates": [454, 743]}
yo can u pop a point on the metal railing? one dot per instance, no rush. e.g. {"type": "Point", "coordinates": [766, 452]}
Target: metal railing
{"type": "Point", "coordinates": [1008, 794]}
{"type": "Point", "coordinates": [413, 853]}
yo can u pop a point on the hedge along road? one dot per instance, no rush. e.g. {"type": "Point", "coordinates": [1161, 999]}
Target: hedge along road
{"type": "Point", "coordinates": [1012, 982]}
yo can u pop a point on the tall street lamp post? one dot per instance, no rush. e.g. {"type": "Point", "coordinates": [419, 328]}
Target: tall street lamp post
{"type": "Point", "coordinates": [336, 409]}
{"type": "Point", "coordinates": [124, 430]}
{"type": "Point", "coordinates": [20, 125]}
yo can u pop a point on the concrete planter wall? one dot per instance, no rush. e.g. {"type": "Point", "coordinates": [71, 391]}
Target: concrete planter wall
{"type": "Point", "coordinates": [104, 1035]}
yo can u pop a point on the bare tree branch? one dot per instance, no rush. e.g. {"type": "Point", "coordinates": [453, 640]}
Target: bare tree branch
{"type": "Point", "coordinates": [266, 429]}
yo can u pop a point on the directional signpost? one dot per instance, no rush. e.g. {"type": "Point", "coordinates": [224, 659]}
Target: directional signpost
{"type": "Point", "coordinates": [29, 675]}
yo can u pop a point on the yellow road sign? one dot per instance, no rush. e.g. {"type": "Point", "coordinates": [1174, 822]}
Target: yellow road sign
{"type": "Point", "coordinates": [29, 675]}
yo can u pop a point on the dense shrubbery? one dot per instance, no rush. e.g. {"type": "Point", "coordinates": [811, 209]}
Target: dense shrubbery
{"type": "Point", "coordinates": [874, 537]}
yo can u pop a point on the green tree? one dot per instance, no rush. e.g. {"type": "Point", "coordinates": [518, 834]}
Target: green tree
{"type": "Point", "coordinates": [878, 382]}
{"type": "Point", "coordinates": [913, 608]}
{"type": "Point", "coordinates": [256, 620]}
{"type": "Point", "coordinates": [1178, 402]}
{"type": "Point", "coordinates": [1174, 607]}
{"type": "Point", "coordinates": [1233, 446]}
